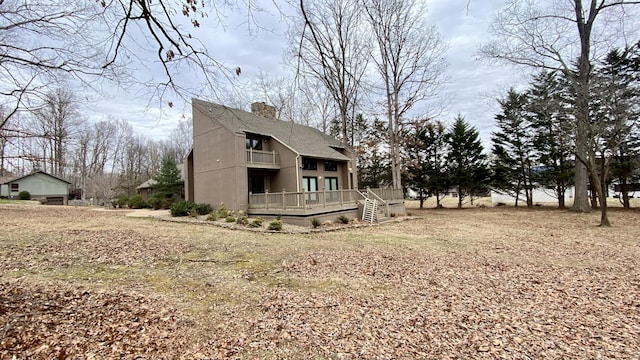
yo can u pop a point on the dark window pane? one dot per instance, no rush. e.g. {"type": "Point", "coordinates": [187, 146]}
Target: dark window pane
{"type": "Point", "coordinates": [309, 164]}
{"type": "Point", "coordinates": [253, 142]}
{"type": "Point", "coordinates": [330, 165]}
{"type": "Point", "coordinates": [331, 183]}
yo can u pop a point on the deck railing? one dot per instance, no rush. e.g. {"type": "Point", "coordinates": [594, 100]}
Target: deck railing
{"type": "Point", "coordinates": [313, 199]}
{"type": "Point", "coordinates": [303, 200]}
{"type": "Point", "coordinates": [259, 157]}
{"type": "Point", "coordinates": [388, 194]}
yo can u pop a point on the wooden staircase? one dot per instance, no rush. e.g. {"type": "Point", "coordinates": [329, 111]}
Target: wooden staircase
{"type": "Point", "coordinates": [370, 210]}
{"type": "Point", "coordinates": [374, 208]}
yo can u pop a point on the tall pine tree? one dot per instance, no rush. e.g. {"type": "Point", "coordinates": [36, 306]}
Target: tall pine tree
{"type": "Point", "coordinates": [374, 168]}
{"type": "Point", "coordinates": [614, 117]}
{"type": "Point", "coordinates": [427, 166]}
{"type": "Point", "coordinates": [169, 184]}
{"type": "Point", "coordinates": [549, 113]}
{"type": "Point", "coordinates": [513, 150]}
{"type": "Point", "coordinates": [468, 169]}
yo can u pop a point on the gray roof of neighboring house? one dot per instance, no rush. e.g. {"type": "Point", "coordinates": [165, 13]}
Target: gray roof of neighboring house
{"type": "Point", "coordinates": [149, 183]}
{"type": "Point", "coordinates": [303, 140]}
{"type": "Point", "coordinates": [14, 179]}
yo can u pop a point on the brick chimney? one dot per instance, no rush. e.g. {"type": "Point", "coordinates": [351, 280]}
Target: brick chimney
{"type": "Point", "coordinates": [264, 110]}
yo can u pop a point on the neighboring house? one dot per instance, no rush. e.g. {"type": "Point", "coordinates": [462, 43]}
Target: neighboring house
{"type": "Point", "coordinates": [146, 188]}
{"type": "Point", "coordinates": [40, 185]}
{"type": "Point", "coordinates": [254, 163]}
{"type": "Point", "coordinates": [539, 195]}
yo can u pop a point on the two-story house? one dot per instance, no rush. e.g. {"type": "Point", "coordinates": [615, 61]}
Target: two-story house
{"type": "Point", "coordinates": [252, 162]}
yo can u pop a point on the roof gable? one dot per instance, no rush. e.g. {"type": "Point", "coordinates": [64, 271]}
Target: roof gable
{"type": "Point", "coordinates": [303, 140]}
{"type": "Point", "coordinates": [34, 173]}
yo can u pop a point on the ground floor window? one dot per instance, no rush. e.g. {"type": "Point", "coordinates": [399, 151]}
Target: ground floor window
{"type": "Point", "coordinates": [331, 183]}
{"type": "Point", "coordinates": [15, 187]}
{"type": "Point", "coordinates": [310, 184]}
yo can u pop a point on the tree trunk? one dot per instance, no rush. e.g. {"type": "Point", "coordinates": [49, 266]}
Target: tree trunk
{"type": "Point", "coordinates": [581, 194]}
{"type": "Point", "coordinates": [529, 192]}
{"type": "Point", "coordinates": [581, 85]}
{"type": "Point", "coordinates": [561, 191]}
{"type": "Point", "coordinates": [602, 195]}
{"type": "Point", "coordinates": [343, 127]}
{"type": "Point", "coordinates": [600, 187]}
{"type": "Point", "coordinates": [459, 198]}
{"type": "Point", "coordinates": [594, 198]}
{"type": "Point", "coordinates": [624, 193]}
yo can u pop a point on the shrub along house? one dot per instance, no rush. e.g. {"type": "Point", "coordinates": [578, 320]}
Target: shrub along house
{"type": "Point", "coordinates": [252, 162]}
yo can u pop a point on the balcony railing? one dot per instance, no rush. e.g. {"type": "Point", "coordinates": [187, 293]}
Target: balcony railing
{"type": "Point", "coordinates": [315, 199]}
{"type": "Point", "coordinates": [263, 158]}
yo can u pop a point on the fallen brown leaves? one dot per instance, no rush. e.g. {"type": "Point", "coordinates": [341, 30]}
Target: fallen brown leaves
{"type": "Point", "coordinates": [477, 283]}
{"type": "Point", "coordinates": [73, 247]}
{"type": "Point", "coordinates": [46, 322]}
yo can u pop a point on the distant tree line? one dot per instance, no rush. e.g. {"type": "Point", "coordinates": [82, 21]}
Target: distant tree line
{"type": "Point", "coordinates": [533, 145]}
{"type": "Point", "coordinates": [102, 159]}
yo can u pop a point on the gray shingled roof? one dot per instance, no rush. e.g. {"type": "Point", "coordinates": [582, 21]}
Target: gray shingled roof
{"type": "Point", "coordinates": [10, 180]}
{"type": "Point", "coordinates": [303, 140]}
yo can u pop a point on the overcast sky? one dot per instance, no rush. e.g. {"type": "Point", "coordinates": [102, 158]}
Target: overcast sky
{"type": "Point", "coordinates": [472, 88]}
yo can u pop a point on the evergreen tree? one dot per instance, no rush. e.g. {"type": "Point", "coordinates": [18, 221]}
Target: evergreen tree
{"type": "Point", "coordinates": [374, 168]}
{"type": "Point", "coordinates": [467, 164]}
{"type": "Point", "coordinates": [169, 184]}
{"type": "Point", "coordinates": [414, 145]}
{"type": "Point", "coordinates": [614, 119]}
{"type": "Point", "coordinates": [513, 148]}
{"type": "Point", "coordinates": [427, 163]}
{"type": "Point", "coordinates": [356, 129]}
{"type": "Point", "coordinates": [549, 112]}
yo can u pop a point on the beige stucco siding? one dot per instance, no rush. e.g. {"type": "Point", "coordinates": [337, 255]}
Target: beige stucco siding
{"type": "Point", "coordinates": [219, 170]}
{"type": "Point", "coordinates": [341, 174]}
{"type": "Point", "coordinates": [285, 178]}
{"type": "Point", "coordinates": [220, 173]}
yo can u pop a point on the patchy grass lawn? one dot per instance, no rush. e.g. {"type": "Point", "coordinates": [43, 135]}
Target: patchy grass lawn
{"type": "Point", "coordinates": [471, 283]}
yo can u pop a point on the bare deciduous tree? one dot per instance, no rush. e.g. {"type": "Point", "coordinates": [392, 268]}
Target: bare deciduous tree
{"type": "Point", "coordinates": [181, 138]}
{"type": "Point", "coordinates": [56, 119]}
{"type": "Point", "coordinates": [410, 61]}
{"type": "Point", "coordinates": [43, 42]}
{"type": "Point", "coordinates": [103, 187]}
{"type": "Point", "coordinates": [568, 37]}
{"type": "Point", "coordinates": [333, 48]}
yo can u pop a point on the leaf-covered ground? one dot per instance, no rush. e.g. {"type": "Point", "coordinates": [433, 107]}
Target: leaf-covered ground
{"type": "Point", "coordinates": [473, 283]}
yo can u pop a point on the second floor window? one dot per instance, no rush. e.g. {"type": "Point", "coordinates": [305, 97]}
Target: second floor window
{"type": "Point", "coordinates": [309, 164]}
{"type": "Point", "coordinates": [330, 165]}
{"type": "Point", "coordinates": [253, 142]}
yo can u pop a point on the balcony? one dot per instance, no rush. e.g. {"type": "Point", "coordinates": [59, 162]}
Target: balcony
{"type": "Point", "coordinates": [263, 159]}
